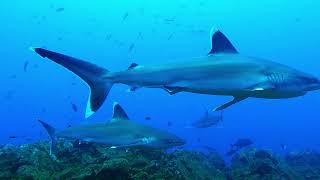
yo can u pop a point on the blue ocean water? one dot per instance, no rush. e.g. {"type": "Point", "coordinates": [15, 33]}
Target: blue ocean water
{"type": "Point", "coordinates": [113, 34]}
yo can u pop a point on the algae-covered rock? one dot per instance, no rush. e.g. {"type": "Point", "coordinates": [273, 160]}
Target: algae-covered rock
{"type": "Point", "coordinates": [93, 161]}
{"type": "Point", "coordinates": [305, 163]}
{"type": "Point", "coordinates": [260, 165]}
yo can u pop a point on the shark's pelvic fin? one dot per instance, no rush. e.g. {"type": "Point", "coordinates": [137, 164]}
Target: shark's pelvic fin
{"type": "Point", "coordinates": [90, 73]}
{"type": "Point", "coordinates": [228, 104]}
{"type": "Point", "coordinates": [221, 44]}
{"type": "Point", "coordinates": [118, 113]}
{"type": "Point", "coordinates": [51, 131]}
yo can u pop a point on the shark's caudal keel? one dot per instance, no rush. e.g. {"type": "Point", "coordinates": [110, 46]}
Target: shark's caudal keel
{"type": "Point", "coordinates": [222, 72]}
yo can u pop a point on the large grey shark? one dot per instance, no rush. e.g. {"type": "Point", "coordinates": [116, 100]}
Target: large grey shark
{"type": "Point", "coordinates": [119, 132]}
{"type": "Point", "coordinates": [222, 72]}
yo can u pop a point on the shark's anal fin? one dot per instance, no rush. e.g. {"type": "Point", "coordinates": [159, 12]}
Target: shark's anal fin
{"type": "Point", "coordinates": [230, 103]}
{"type": "Point", "coordinates": [171, 90]}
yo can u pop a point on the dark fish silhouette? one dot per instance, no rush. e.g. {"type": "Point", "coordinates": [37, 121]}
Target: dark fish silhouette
{"type": "Point", "coordinates": [74, 107]}
{"type": "Point", "coordinates": [25, 66]}
{"type": "Point", "coordinates": [108, 37]}
{"type": "Point", "coordinates": [169, 123]}
{"type": "Point", "coordinates": [147, 118]}
{"type": "Point", "coordinates": [131, 47]}
{"type": "Point", "coordinates": [60, 9]}
{"type": "Point", "coordinates": [12, 137]}
{"type": "Point", "coordinates": [125, 16]}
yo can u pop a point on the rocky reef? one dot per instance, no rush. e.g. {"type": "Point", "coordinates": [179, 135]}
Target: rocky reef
{"type": "Point", "coordinates": [92, 161]}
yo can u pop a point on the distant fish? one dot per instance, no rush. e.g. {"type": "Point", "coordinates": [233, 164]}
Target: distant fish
{"type": "Point", "coordinates": [283, 146]}
{"type": "Point", "coordinates": [12, 137]}
{"type": "Point", "coordinates": [125, 16]}
{"type": "Point", "coordinates": [169, 20]}
{"type": "Point", "coordinates": [25, 66]}
{"type": "Point", "coordinates": [169, 123]}
{"type": "Point", "coordinates": [74, 107]}
{"type": "Point", "coordinates": [239, 144]}
{"type": "Point", "coordinates": [131, 47]}
{"type": "Point", "coordinates": [147, 118]}
{"type": "Point", "coordinates": [170, 37]}
{"type": "Point", "coordinates": [60, 9]}
{"type": "Point", "coordinates": [140, 36]}
{"type": "Point", "coordinates": [9, 95]}
{"type": "Point", "coordinates": [198, 139]}
{"type": "Point", "coordinates": [13, 76]}
{"type": "Point", "coordinates": [69, 125]}
{"type": "Point", "coordinates": [108, 37]}
{"type": "Point", "coordinates": [208, 120]}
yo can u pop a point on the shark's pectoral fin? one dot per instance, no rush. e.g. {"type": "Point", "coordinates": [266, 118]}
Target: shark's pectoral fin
{"type": "Point", "coordinates": [171, 90]}
{"type": "Point", "coordinates": [230, 103]}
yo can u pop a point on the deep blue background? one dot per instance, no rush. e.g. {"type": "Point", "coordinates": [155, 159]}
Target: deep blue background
{"type": "Point", "coordinates": [161, 31]}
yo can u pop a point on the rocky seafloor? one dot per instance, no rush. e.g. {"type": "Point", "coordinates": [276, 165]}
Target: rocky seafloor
{"type": "Point", "coordinates": [71, 161]}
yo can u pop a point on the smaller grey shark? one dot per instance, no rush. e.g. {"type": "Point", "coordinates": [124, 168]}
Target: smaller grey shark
{"type": "Point", "coordinates": [208, 120]}
{"type": "Point", "coordinates": [119, 132]}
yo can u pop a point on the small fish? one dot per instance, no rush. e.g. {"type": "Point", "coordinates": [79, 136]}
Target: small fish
{"type": "Point", "coordinates": [169, 123]}
{"type": "Point", "coordinates": [9, 95]}
{"type": "Point", "coordinates": [131, 47]}
{"type": "Point", "coordinates": [125, 16]}
{"type": "Point", "coordinates": [170, 36]}
{"type": "Point", "coordinates": [12, 137]}
{"type": "Point", "coordinates": [25, 66]}
{"type": "Point", "coordinates": [283, 146]}
{"type": "Point", "coordinates": [74, 107]}
{"type": "Point", "coordinates": [13, 76]}
{"type": "Point", "coordinates": [60, 9]}
{"type": "Point", "coordinates": [169, 20]}
{"type": "Point", "coordinates": [147, 118]}
{"type": "Point", "coordinates": [108, 37]}
{"type": "Point", "coordinates": [69, 125]}
{"type": "Point", "coordinates": [198, 139]}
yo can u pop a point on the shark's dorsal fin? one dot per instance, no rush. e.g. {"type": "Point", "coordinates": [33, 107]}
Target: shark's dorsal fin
{"type": "Point", "coordinates": [221, 44]}
{"type": "Point", "coordinates": [118, 113]}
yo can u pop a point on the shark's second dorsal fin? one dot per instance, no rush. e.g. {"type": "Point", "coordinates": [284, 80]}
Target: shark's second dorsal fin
{"type": "Point", "coordinates": [221, 44]}
{"type": "Point", "coordinates": [118, 113]}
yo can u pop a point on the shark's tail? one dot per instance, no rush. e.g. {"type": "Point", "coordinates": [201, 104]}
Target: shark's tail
{"type": "Point", "coordinates": [51, 131]}
{"type": "Point", "coordinates": [90, 73]}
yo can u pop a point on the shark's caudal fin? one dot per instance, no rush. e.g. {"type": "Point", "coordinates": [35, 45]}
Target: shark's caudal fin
{"type": "Point", "coordinates": [90, 73]}
{"type": "Point", "coordinates": [118, 113]}
{"type": "Point", "coordinates": [51, 131]}
{"type": "Point", "coordinates": [221, 44]}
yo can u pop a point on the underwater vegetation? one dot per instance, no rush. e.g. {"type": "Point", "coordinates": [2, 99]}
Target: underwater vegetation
{"type": "Point", "coordinates": [93, 161]}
